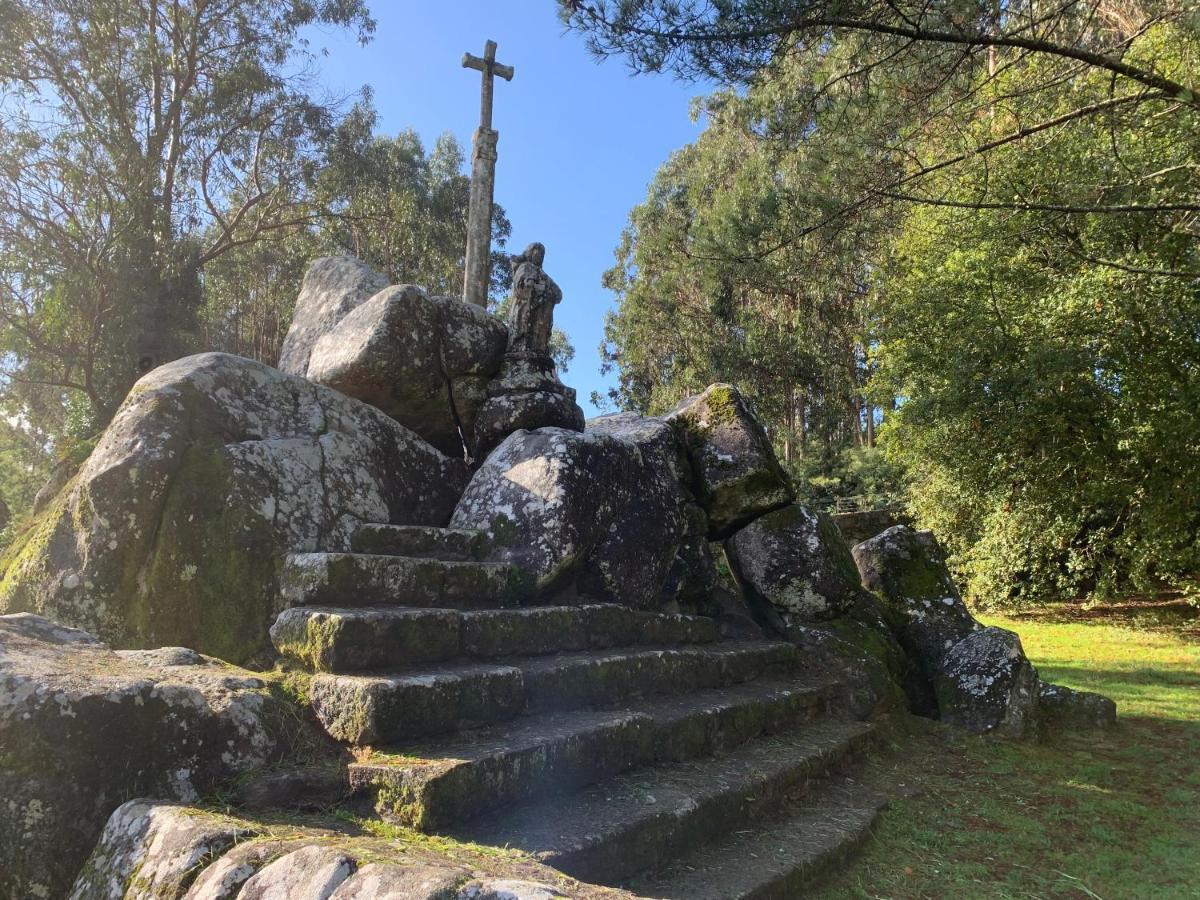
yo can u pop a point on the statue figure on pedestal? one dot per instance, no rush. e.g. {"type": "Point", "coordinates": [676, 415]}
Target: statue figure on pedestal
{"type": "Point", "coordinates": [531, 315]}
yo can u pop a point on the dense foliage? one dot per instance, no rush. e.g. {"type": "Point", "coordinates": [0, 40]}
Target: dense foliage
{"type": "Point", "coordinates": [980, 237]}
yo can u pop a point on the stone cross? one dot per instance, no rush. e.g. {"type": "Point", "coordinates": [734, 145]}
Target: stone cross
{"type": "Point", "coordinates": [483, 179]}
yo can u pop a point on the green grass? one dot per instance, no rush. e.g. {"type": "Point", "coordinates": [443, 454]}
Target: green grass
{"type": "Point", "coordinates": [1107, 814]}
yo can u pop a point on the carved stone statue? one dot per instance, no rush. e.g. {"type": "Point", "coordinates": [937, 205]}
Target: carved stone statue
{"type": "Point", "coordinates": [531, 314]}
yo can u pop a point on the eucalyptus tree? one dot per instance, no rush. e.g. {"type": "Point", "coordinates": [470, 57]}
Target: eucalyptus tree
{"type": "Point", "coordinates": [139, 141]}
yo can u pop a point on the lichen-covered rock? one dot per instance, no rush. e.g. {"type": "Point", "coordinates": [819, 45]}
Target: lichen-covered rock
{"type": "Point", "coordinates": [736, 475]}
{"type": "Point", "coordinates": [526, 393]}
{"type": "Point", "coordinates": [223, 879]}
{"type": "Point", "coordinates": [986, 684]}
{"type": "Point", "coordinates": [1060, 706]}
{"type": "Point", "coordinates": [501, 416]}
{"type": "Point", "coordinates": [332, 287]}
{"type": "Point", "coordinates": [600, 513]}
{"type": "Point", "coordinates": [214, 468]}
{"type": "Point", "coordinates": [507, 889]}
{"type": "Point", "coordinates": [311, 871]}
{"type": "Point", "coordinates": [153, 849]}
{"type": "Point", "coordinates": [906, 570]}
{"type": "Point", "coordinates": [380, 881]}
{"type": "Point", "coordinates": [794, 566]}
{"type": "Point", "coordinates": [423, 360]}
{"type": "Point", "coordinates": [83, 729]}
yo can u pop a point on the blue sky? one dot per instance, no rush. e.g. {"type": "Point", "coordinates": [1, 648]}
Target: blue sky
{"type": "Point", "coordinates": [579, 140]}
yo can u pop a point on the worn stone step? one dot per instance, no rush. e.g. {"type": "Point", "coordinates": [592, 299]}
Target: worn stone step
{"type": "Point", "coordinates": [642, 820]}
{"type": "Point", "coordinates": [421, 541]}
{"type": "Point", "coordinates": [365, 579]}
{"type": "Point", "coordinates": [434, 784]}
{"type": "Point", "coordinates": [335, 639]}
{"type": "Point", "coordinates": [780, 859]}
{"type": "Point", "coordinates": [373, 709]}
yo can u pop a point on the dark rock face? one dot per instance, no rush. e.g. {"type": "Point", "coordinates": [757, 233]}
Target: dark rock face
{"type": "Point", "coordinates": [736, 476]}
{"type": "Point", "coordinates": [425, 361]}
{"type": "Point", "coordinates": [526, 394]}
{"type": "Point", "coordinates": [798, 576]}
{"type": "Point", "coordinates": [1060, 706]}
{"type": "Point", "coordinates": [82, 729]}
{"type": "Point", "coordinates": [905, 569]}
{"type": "Point", "coordinates": [175, 528]}
{"type": "Point", "coordinates": [600, 513]}
{"type": "Point", "coordinates": [986, 684]}
{"type": "Point", "coordinates": [794, 564]}
{"type": "Point", "coordinates": [332, 287]}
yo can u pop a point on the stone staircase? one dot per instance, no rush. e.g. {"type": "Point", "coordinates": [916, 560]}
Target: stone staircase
{"type": "Point", "coordinates": [625, 748]}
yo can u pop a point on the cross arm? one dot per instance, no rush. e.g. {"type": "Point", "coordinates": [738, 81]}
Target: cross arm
{"type": "Point", "coordinates": [470, 61]}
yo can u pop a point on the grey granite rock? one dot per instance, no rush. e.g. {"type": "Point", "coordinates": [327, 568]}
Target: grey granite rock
{"type": "Point", "coordinates": [423, 360]}
{"type": "Point", "coordinates": [736, 475]}
{"type": "Point", "coordinates": [82, 729]}
{"type": "Point", "coordinates": [213, 468]}
{"type": "Point", "coordinates": [332, 287]}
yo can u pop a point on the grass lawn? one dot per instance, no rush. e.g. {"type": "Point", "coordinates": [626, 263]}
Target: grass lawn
{"type": "Point", "coordinates": [1107, 814]}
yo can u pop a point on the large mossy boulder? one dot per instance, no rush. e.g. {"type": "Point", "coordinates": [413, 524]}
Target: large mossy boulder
{"type": "Point", "coordinates": [600, 514]}
{"type": "Point", "coordinates": [333, 286]}
{"type": "Point", "coordinates": [986, 684]}
{"type": "Point", "coordinates": [425, 361]}
{"type": "Point", "coordinates": [907, 571]}
{"type": "Point", "coordinates": [735, 474]}
{"type": "Point", "coordinates": [214, 467]}
{"type": "Point", "coordinates": [84, 728]}
{"type": "Point", "coordinates": [793, 564]}
{"type": "Point", "coordinates": [796, 572]}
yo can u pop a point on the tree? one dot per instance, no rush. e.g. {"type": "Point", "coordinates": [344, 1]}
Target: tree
{"type": "Point", "coordinates": [382, 199]}
{"type": "Point", "coordinates": [141, 140]}
{"type": "Point", "coordinates": [1050, 361]}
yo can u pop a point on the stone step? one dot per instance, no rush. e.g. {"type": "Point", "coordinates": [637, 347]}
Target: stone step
{"type": "Point", "coordinates": [333, 639]}
{"type": "Point", "coordinates": [375, 709]}
{"type": "Point", "coordinates": [643, 820]}
{"type": "Point", "coordinates": [780, 859]}
{"type": "Point", "coordinates": [435, 784]}
{"type": "Point", "coordinates": [420, 541]}
{"type": "Point", "coordinates": [365, 579]}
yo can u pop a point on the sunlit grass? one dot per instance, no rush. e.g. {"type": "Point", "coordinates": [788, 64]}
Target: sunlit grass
{"type": "Point", "coordinates": [1112, 815]}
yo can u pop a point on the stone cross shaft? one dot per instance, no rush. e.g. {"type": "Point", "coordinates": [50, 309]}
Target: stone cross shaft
{"type": "Point", "coordinates": [483, 179]}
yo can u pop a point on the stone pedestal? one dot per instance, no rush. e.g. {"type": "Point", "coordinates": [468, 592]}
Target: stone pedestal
{"type": "Point", "coordinates": [525, 394]}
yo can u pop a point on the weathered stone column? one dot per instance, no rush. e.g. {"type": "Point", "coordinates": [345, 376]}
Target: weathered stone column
{"type": "Point", "coordinates": [479, 218]}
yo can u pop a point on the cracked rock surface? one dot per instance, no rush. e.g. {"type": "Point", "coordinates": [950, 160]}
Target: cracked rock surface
{"type": "Point", "coordinates": [214, 467]}
{"type": "Point", "coordinates": [423, 360]}
{"type": "Point", "coordinates": [82, 729]}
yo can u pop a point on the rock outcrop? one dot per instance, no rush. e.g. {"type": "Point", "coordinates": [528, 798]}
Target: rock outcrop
{"type": "Point", "coordinates": [971, 676]}
{"type": "Point", "coordinates": [599, 513]}
{"type": "Point", "coordinates": [174, 852]}
{"type": "Point", "coordinates": [736, 475]}
{"type": "Point", "coordinates": [906, 570]}
{"type": "Point", "coordinates": [425, 361]}
{"type": "Point", "coordinates": [1064, 707]}
{"type": "Point", "coordinates": [793, 565]}
{"type": "Point", "coordinates": [82, 729]}
{"type": "Point", "coordinates": [986, 684]}
{"type": "Point", "coordinates": [332, 287]}
{"type": "Point", "coordinates": [175, 528]}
